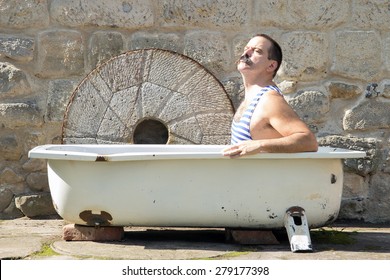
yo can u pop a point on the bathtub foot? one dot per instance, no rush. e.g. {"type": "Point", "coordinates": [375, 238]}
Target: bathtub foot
{"type": "Point", "coordinates": [298, 232]}
{"type": "Point", "coordinates": [250, 236]}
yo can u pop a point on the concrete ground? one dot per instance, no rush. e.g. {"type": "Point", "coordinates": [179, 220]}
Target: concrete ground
{"type": "Point", "coordinates": [42, 239]}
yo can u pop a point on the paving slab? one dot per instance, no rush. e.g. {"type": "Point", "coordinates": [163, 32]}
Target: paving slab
{"type": "Point", "coordinates": [25, 238]}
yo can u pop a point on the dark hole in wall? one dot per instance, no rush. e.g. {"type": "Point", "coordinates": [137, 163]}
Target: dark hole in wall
{"type": "Point", "coordinates": [150, 131]}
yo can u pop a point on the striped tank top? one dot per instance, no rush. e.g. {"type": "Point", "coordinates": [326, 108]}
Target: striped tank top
{"type": "Point", "coordinates": [241, 130]}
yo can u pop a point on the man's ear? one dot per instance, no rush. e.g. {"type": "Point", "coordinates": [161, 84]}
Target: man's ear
{"type": "Point", "coordinates": [272, 66]}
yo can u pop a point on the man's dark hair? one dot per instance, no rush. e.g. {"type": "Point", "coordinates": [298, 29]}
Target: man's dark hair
{"type": "Point", "coordinates": [274, 52]}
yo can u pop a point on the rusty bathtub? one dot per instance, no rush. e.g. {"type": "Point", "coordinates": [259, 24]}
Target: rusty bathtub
{"type": "Point", "coordinates": [191, 185]}
{"type": "Point", "coordinates": [194, 186]}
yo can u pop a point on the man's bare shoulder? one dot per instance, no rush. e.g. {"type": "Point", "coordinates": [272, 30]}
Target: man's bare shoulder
{"type": "Point", "coordinates": [274, 92]}
{"type": "Point", "coordinates": [274, 105]}
{"type": "Point", "coordinates": [273, 96]}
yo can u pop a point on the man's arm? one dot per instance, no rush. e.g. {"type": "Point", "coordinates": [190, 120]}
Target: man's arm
{"type": "Point", "coordinates": [275, 128]}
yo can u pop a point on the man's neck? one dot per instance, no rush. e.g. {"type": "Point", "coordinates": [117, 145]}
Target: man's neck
{"type": "Point", "coordinates": [251, 89]}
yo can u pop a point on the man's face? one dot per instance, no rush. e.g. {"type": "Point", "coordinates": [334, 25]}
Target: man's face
{"type": "Point", "coordinates": [255, 55]}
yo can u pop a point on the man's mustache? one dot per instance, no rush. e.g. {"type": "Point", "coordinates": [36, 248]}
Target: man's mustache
{"type": "Point", "coordinates": [246, 59]}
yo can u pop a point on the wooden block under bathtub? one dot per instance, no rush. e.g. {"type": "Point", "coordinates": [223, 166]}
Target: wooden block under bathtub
{"type": "Point", "coordinates": [251, 237]}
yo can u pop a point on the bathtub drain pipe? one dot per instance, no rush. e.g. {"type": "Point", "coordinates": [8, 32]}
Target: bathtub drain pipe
{"type": "Point", "coordinates": [298, 232]}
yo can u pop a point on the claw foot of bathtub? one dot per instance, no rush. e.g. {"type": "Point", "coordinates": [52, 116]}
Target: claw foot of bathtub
{"type": "Point", "coordinates": [298, 232]}
{"type": "Point", "coordinates": [250, 236]}
{"type": "Point", "coordinates": [73, 232]}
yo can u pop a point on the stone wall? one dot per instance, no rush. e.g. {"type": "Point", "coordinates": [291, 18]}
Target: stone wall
{"type": "Point", "coordinates": [333, 51]}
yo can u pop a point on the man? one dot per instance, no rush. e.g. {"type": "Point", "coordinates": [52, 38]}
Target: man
{"type": "Point", "coordinates": [264, 122]}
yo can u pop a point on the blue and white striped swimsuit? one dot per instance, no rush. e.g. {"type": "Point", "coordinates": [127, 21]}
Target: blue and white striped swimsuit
{"type": "Point", "coordinates": [241, 130]}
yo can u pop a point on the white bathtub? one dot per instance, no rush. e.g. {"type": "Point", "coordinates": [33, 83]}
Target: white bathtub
{"type": "Point", "coordinates": [191, 185]}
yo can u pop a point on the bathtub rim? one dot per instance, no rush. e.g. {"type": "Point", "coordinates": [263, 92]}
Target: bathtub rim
{"type": "Point", "coordinates": [98, 152]}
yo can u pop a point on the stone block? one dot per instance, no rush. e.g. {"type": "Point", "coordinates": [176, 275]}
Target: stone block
{"type": "Point", "coordinates": [104, 45]}
{"type": "Point", "coordinates": [38, 181]}
{"type": "Point", "coordinates": [386, 53]}
{"type": "Point", "coordinates": [74, 232]}
{"type": "Point", "coordinates": [322, 15]}
{"type": "Point", "coordinates": [9, 147]}
{"type": "Point", "coordinates": [386, 85]}
{"type": "Point", "coordinates": [15, 115]}
{"type": "Point", "coordinates": [14, 81]}
{"type": "Point", "coordinates": [204, 13]}
{"type": "Point", "coordinates": [134, 14]}
{"type": "Point", "coordinates": [9, 176]}
{"type": "Point", "coordinates": [273, 13]}
{"type": "Point", "coordinates": [32, 165]}
{"type": "Point", "coordinates": [235, 90]}
{"type": "Point", "coordinates": [305, 56]}
{"type": "Point", "coordinates": [165, 41]}
{"type": "Point", "coordinates": [311, 106]}
{"type": "Point", "coordinates": [35, 205]}
{"type": "Point", "coordinates": [386, 164]}
{"type": "Point", "coordinates": [379, 202]}
{"type": "Point", "coordinates": [353, 209]}
{"type": "Point", "coordinates": [210, 49]}
{"type": "Point", "coordinates": [370, 114]}
{"type": "Point", "coordinates": [59, 93]}
{"type": "Point", "coordinates": [6, 197]}
{"type": "Point", "coordinates": [355, 186]}
{"type": "Point", "coordinates": [251, 237]}
{"type": "Point", "coordinates": [373, 14]}
{"type": "Point", "coordinates": [60, 53]}
{"type": "Point", "coordinates": [361, 166]}
{"type": "Point", "coordinates": [18, 48]}
{"type": "Point", "coordinates": [11, 212]}
{"type": "Point", "coordinates": [360, 61]}
{"type": "Point", "coordinates": [302, 14]}
{"type": "Point", "coordinates": [288, 86]}
{"type": "Point", "coordinates": [239, 42]}
{"type": "Point", "coordinates": [343, 90]}
{"type": "Point", "coordinates": [25, 14]}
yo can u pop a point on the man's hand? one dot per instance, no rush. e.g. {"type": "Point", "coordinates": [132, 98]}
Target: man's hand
{"type": "Point", "coordinates": [244, 148]}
